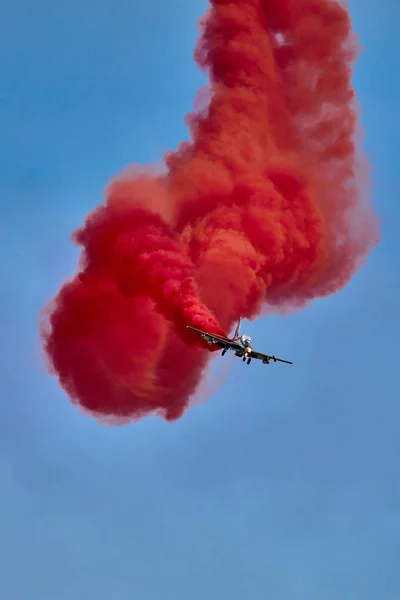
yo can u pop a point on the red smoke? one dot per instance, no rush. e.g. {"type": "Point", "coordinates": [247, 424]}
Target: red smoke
{"type": "Point", "coordinates": [262, 206]}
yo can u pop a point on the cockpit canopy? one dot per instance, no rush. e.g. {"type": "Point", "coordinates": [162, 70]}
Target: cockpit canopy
{"type": "Point", "coordinates": [246, 341]}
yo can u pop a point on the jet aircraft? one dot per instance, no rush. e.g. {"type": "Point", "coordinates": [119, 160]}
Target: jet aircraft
{"type": "Point", "coordinates": [242, 345]}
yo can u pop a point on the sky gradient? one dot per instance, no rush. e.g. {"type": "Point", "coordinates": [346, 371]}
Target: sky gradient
{"type": "Point", "coordinates": [284, 484]}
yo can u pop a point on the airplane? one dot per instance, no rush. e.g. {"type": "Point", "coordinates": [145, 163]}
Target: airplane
{"type": "Point", "coordinates": [242, 345]}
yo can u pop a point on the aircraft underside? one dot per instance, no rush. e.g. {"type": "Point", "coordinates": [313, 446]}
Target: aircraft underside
{"type": "Point", "coordinates": [242, 355]}
{"type": "Point", "coordinates": [245, 356]}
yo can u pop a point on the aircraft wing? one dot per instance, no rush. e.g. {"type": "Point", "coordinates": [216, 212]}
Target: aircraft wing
{"type": "Point", "coordinates": [266, 358]}
{"type": "Point", "coordinates": [218, 340]}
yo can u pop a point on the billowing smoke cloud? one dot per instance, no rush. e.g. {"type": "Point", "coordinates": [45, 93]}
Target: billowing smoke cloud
{"type": "Point", "coordinates": [262, 206]}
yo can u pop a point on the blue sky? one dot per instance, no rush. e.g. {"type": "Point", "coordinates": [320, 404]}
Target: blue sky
{"type": "Point", "coordinates": [282, 485]}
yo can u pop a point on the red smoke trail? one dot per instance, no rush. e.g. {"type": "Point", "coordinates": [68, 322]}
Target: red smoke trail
{"type": "Point", "coordinates": [262, 206]}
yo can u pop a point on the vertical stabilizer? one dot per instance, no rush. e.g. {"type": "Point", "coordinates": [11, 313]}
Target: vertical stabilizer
{"type": "Point", "coordinates": [237, 330]}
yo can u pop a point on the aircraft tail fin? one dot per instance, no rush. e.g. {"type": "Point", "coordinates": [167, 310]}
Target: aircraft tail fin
{"type": "Point", "coordinates": [237, 330]}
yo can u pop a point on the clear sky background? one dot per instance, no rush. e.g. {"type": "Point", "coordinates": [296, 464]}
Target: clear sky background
{"type": "Point", "coordinates": [285, 484]}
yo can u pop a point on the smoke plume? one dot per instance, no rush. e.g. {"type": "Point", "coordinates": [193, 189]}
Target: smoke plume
{"type": "Point", "coordinates": [262, 206]}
